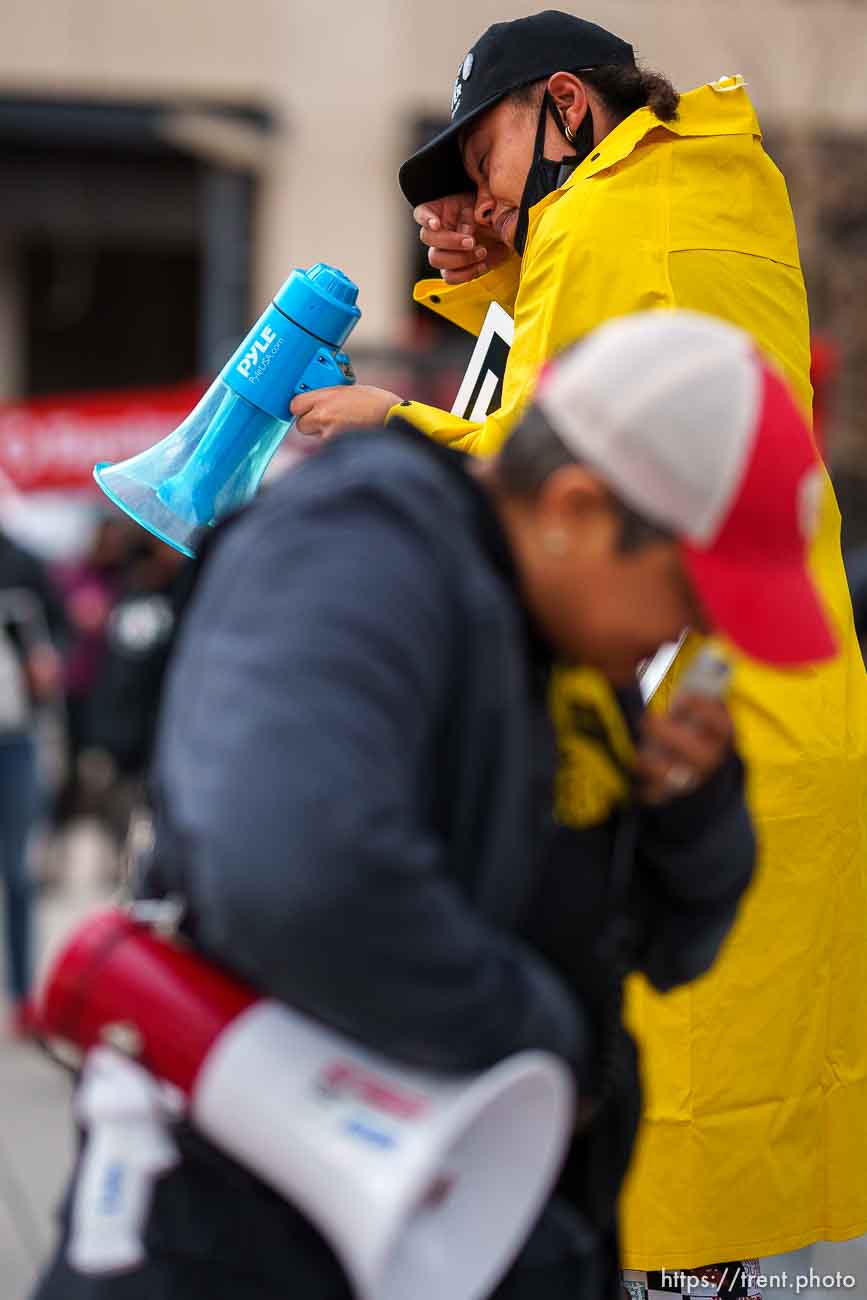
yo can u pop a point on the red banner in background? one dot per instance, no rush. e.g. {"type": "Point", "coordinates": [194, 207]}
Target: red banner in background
{"type": "Point", "coordinates": [53, 443]}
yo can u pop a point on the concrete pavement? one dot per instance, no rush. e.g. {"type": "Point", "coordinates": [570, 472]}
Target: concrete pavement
{"type": "Point", "coordinates": [35, 1151]}
{"type": "Point", "coordinates": [36, 1134]}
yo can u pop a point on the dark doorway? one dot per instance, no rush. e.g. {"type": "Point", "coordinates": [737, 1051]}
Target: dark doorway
{"type": "Point", "coordinates": [131, 249]}
{"type": "Point", "coordinates": [102, 318]}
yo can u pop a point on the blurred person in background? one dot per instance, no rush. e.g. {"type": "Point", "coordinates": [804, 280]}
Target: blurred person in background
{"type": "Point", "coordinates": [31, 625]}
{"type": "Point", "coordinates": [573, 186]}
{"type": "Point", "coordinates": [354, 763]}
{"type": "Point", "coordinates": [124, 698]}
{"type": "Point", "coordinates": [90, 590]}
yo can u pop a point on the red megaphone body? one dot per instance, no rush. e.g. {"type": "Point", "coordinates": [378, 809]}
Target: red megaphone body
{"type": "Point", "coordinates": [115, 972]}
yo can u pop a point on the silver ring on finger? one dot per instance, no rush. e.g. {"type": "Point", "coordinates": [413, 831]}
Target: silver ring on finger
{"type": "Point", "coordinates": [680, 778]}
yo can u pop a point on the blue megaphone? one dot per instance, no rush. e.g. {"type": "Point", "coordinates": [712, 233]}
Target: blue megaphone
{"type": "Point", "coordinates": [213, 463]}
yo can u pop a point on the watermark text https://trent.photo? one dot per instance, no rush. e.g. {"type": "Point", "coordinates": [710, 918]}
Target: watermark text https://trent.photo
{"type": "Point", "coordinates": [735, 1279]}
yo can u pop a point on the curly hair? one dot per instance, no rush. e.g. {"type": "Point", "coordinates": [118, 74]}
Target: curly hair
{"type": "Point", "coordinates": [623, 89]}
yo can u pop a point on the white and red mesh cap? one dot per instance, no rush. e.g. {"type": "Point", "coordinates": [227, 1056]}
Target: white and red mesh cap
{"type": "Point", "coordinates": [692, 428]}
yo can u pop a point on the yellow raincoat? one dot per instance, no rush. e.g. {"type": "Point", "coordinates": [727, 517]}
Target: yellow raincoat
{"type": "Point", "coordinates": [754, 1138]}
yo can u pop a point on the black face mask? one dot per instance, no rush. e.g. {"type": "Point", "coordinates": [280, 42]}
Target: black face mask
{"type": "Point", "coordinates": [544, 175]}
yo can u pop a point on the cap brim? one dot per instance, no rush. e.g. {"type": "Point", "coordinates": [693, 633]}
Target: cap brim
{"type": "Point", "coordinates": [437, 169]}
{"type": "Point", "coordinates": [774, 614]}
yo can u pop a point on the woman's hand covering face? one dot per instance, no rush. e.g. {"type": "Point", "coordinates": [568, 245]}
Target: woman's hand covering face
{"type": "Point", "coordinates": [457, 247]}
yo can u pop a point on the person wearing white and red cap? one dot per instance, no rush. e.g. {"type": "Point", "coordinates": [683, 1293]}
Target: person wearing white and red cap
{"type": "Point", "coordinates": [572, 186]}
{"type": "Point", "coordinates": [745, 503]}
{"type": "Point", "coordinates": [744, 507]}
{"type": "Point", "coordinates": [359, 836]}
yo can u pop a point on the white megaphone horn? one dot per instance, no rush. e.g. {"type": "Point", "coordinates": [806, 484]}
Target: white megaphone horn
{"type": "Point", "coordinates": [426, 1187]}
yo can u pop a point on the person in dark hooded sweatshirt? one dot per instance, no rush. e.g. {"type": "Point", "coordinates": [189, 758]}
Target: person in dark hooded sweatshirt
{"type": "Point", "coordinates": [355, 757]}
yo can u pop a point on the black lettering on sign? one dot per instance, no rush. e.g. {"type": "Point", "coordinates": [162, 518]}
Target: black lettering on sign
{"type": "Point", "coordinates": [489, 385]}
{"type": "Point", "coordinates": [481, 390]}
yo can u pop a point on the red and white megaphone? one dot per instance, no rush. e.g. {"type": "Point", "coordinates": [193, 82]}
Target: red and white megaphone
{"type": "Point", "coordinates": [425, 1186]}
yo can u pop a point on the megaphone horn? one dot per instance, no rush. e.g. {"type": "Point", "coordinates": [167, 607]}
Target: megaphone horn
{"type": "Point", "coordinates": [425, 1186]}
{"type": "Point", "coordinates": [213, 462]}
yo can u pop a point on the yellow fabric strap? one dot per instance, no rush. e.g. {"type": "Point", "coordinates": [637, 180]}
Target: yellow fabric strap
{"type": "Point", "coordinates": [596, 750]}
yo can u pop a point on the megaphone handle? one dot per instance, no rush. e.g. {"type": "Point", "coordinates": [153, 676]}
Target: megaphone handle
{"type": "Point", "coordinates": [326, 370]}
{"type": "Point", "coordinates": [220, 457]}
{"type": "Point", "coordinates": [128, 1147]}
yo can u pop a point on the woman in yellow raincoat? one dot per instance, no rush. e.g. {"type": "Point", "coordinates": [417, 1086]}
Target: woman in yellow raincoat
{"type": "Point", "coordinates": [754, 1133]}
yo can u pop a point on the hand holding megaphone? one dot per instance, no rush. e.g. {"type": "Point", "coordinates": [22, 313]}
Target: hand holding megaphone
{"type": "Point", "coordinates": [214, 461]}
{"type": "Point", "coordinates": [425, 1186]}
{"type": "Point", "coordinates": [327, 411]}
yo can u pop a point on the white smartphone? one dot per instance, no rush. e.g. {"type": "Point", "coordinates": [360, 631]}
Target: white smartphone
{"type": "Point", "coordinates": [709, 674]}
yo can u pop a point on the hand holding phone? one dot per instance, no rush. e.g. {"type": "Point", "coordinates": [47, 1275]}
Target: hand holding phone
{"type": "Point", "coordinates": [682, 749]}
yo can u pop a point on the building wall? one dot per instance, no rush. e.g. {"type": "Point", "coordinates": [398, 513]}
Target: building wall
{"type": "Point", "coordinates": [346, 83]}
{"type": "Point", "coordinates": [347, 80]}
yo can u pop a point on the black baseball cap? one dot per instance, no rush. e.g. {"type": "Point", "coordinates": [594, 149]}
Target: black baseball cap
{"type": "Point", "coordinates": [507, 56]}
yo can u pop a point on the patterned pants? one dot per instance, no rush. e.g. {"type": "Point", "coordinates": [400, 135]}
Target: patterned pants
{"type": "Point", "coordinates": [735, 1281]}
